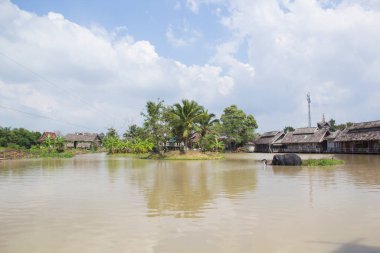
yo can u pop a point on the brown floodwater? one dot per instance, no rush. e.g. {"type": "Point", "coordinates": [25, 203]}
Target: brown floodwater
{"type": "Point", "coordinates": [95, 203]}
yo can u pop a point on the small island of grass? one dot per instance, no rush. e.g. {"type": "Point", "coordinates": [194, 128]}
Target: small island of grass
{"type": "Point", "coordinates": [189, 155]}
{"type": "Point", "coordinates": [321, 162]}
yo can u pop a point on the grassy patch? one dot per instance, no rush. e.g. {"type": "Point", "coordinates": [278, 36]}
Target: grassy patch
{"type": "Point", "coordinates": [321, 162]}
{"type": "Point", "coordinates": [189, 155]}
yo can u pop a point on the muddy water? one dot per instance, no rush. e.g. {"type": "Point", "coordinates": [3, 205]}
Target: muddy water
{"type": "Point", "coordinates": [95, 203]}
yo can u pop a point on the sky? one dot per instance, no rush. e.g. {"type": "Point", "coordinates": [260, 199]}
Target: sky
{"type": "Point", "coordinates": [85, 66]}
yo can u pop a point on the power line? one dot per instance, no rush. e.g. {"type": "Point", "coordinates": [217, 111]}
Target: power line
{"type": "Point", "coordinates": [44, 117]}
{"type": "Point", "coordinates": [104, 113]}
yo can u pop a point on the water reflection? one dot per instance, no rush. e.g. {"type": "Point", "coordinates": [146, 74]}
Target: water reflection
{"type": "Point", "coordinates": [184, 189]}
{"type": "Point", "coordinates": [21, 167]}
{"type": "Point", "coordinates": [236, 205]}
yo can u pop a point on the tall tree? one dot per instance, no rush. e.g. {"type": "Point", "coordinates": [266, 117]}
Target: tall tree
{"type": "Point", "coordinates": [184, 118]}
{"type": "Point", "coordinates": [111, 132]}
{"type": "Point", "coordinates": [288, 129]}
{"type": "Point", "coordinates": [155, 123]}
{"type": "Point", "coordinates": [206, 122]}
{"type": "Point", "coordinates": [238, 126]}
{"type": "Point", "coordinates": [134, 131]}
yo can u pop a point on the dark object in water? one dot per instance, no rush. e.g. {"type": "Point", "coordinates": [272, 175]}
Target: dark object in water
{"type": "Point", "coordinates": [287, 160]}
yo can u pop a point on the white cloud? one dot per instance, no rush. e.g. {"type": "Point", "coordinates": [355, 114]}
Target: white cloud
{"type": "Point", "coordinates": [300, 46]}
{"type": "Point", "coordinates": [182, 36]}
{"type": "Point", "coordinates": [193, 5]}
{"type": "Point", "coordinates": [89, 76]}
{"type": "Point", "coordinates": [275, 54]}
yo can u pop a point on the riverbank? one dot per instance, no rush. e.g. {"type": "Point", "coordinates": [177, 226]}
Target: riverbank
{"type": "Point", "coordinates": [16, 154]}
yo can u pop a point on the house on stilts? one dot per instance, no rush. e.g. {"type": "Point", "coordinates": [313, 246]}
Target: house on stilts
{"type": "Point", "coordinates": [264, 144]}
{"type": "Point", "coordinates": [304, 140]}
{"type": "Point", "coordinates": [359, 138]}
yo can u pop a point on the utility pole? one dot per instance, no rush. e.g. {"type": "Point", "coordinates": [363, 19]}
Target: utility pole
{"type": "Point", "coordinates": [308, 102]}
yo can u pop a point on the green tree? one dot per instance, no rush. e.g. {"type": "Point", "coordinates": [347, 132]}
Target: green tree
{"type": "Point", "coordinates": [134, 131]}
{"type": "Point", "coordinates": [206, 122]}
{"type": "Point", "coordinates": [184, 118]}
{"type": "Point", "coordinates": [112, 144]}
{"type": "Point", "coordinates": [155, 123]}
{"type": "Point", "coordinates": [333, 126]}
{"type": "Point", "coordinates": [288, 129]}
{"type": "Point", "coordinates": [237, 126]}
{"type": "Point", "coordinates": [59, 144]}
{"type": "Point", "coordinates": [18, 137]}
{"type": "Point", "coordinates": [111, 132]}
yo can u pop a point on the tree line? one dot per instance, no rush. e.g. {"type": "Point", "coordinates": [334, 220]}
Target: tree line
{"type": "Point", "coordinates": [186, 124]}
{"type": "Point", "coordinates": [18, 137]}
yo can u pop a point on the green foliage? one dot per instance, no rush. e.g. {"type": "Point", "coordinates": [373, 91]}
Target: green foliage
{"type": "Point", "coordinates": [183, 119]}
{"type": "Point", "coordinates": [238, 126]}
{"type": "Point", "coordinates": [111, 132]}
{"type": "Point", "coordinates": [288, 129]}
{"type": "Point", "coordinates": [322, 162]}
{"type": "Point", "coordinates": [46, 151]}
{"type": "Point", "coordinates": [115, 145]}
{"type": "Point", "coordinates": [134, 132]}
{"type": "Point", "coordinates": [210, 142]}
{"type": "Point", "coordinates": [334, 127]}
{"type": "Point", "coordinates": [18, 136]}
{"type": "Point", "coordinates": [206, 122]}
{"type": "Point", "coordinates": [54, 144]}
{"type": "Point", "coordinates": [155, 123]}
{"type": "Point", "coordinates": [112, 144]}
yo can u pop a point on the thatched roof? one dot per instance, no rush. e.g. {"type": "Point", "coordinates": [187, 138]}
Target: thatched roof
{"type": "Point", "coordinates": [85, 137]}
{"type": "Point", "coordinates": [305, 130]}
{"type": "Point", "coordinates": [364, 131]}
{"type": "Point", "coordinates": [304, 135]}
{"type": "Point", "coordinates": [269, 137]}
{"type": "Point", "coordinates": [333, 135]}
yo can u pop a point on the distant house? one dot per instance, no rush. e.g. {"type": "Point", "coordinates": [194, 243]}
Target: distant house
{"type": "Point", "coordinates": [83, 140]}
{"type": "Point", "coordinates": [46, 135]}
{"type": "Point", "coordinates": [304, 140]}
{"type": "Point", "coordinates": [171, 144]}
{"type": "Point", "coordinates": [359, 138]}
{"type": "Point", "coordinates": [264, 144]}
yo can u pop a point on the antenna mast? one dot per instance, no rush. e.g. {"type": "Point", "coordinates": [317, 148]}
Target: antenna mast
{"type": "Point", "coordinates": [308, 102]}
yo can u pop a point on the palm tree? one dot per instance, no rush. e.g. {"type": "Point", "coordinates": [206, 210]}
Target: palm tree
{"type": "Point", "coordinates": [184, 118]}
{"type": "Point", "coordinates": [206, 122]}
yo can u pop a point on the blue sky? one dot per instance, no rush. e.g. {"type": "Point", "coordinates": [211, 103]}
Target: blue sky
{"type": "Point", "coordinates": [94, 64]}
{"type": "Point", "coordinates": [145, 20]}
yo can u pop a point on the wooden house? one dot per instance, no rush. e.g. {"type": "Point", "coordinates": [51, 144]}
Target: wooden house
{"type": "Point", "coordinates": [46, 135]}
{"type": "Point", "coordinates": [264, 144]}
{"type": "Point", "coordinates": [304, 140]}
{"type": "Point", "coordinates": [331, 144]}
{"type": "Point", "coordinates": [359, 138]}
{"type": "Point", "coordinates": [83, 140]}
